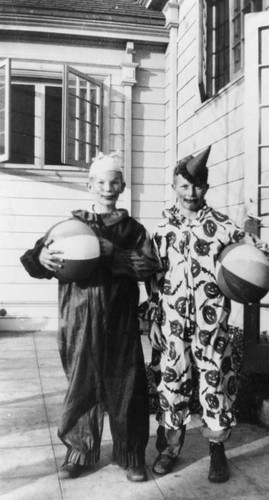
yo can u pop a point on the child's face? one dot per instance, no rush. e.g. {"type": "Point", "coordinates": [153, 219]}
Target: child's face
{"type": "Point", "coordinates": [106, 188]}
{"type": "Point", "coordinates": [190, 196]}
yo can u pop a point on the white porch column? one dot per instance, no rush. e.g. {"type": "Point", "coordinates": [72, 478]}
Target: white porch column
{"type": "Point", "coordinates": [171, 12]}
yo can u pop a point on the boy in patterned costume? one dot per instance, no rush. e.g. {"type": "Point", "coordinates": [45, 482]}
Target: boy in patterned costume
{"type": "Point", "coordinates": [189, 320]}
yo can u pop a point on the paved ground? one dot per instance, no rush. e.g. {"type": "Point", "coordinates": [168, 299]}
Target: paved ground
{"type": "Point", "coordinates": [32, 387]}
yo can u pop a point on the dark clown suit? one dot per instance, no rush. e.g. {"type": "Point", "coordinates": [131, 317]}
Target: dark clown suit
{"type": "Point", "coordinates": [99, 343]}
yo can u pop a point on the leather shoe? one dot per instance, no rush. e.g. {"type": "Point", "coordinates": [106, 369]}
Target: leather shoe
{"type": "Point", "coordinates": [137, 473]}
{"type": "Point", "coordinates": [70, 470]}
{"type": "Point", "coordinates": [218, 470]}
{"type": "Point", "coordinates": [163, 464]}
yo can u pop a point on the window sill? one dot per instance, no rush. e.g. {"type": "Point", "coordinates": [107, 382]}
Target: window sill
{"type": "Point", "coordinates": [45, 168]}
{"type": "Point", "coordinates": [219, 94]}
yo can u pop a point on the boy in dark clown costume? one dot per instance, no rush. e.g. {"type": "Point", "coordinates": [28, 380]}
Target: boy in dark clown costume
{"type": "Point", "coordinates": [99, 338]}
{"type": "Point", "coordinates": [189, 319]}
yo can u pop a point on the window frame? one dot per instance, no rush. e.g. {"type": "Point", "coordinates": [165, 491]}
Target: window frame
{"type": "Point", "coordinates": [41, 80]}
{"type": "Point", "coordinates": [66, 117]}
{"type": "Point", "coordinates": [207, 75]}
{"type": "Point", "coordinates": [5, 63]}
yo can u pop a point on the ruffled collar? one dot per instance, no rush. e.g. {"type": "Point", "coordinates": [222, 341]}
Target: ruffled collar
{"type": "Point", "coordinates": [107, 219]}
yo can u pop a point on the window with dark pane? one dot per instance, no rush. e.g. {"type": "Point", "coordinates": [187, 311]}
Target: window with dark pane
{"type": "Point", "coordinates": [222, 24]}
{"type": "Point", "coordinates": [2, 111]}
{"type": "Point", "coordinates": [22, 126]}
{"type": "Point", "coordinates": [53, 125]}
{"type": "Point", "coordinates": [83, 104]}
{"type": "Point", "coordinates": [222, 34]}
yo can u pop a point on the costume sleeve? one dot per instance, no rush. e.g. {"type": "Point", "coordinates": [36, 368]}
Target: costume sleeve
{"type": "Point", "coordinates": [30, 261]}
{"type": "Point", "coordinates": [238, 234]}
{"type": "Point", "coordinates": [155, 284]}
{"type": "Point", "coordinates": [138, 263]}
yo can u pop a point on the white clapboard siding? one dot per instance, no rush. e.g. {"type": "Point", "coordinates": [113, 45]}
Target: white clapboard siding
{"type": "Point", "coordinates": [148, 143]}
{"type": "Point", "coordinates": [28, 223]}
{"type": "Point", "coordinates": [21, 188]}
{"type": "Point", "coordinates": [151, 58]}
{"type": "Point", "coordinates": [148, 111]}
{"type": "Point", "coordinates": [148, 176]}
{"type": "Point", "coordinates": [18, 274]}
{"type": "Point", "coordinates": [150, 79]}
{"type": "Point", "coordinates": [117, 124]}
{"type": "Point", "coordinates": [143, 192]}
{"type": "Point", "coordinates": [226, 171]}
{"type": "Point", "coordinates": [116, 94]}
{"type": "Point", "coordinates": [148, 158]}
{"type": "Point", "coordinates": [116, 142]}
{"type": "Point", "coordinates": [43, 207]}
{"type": "Point", "coordinates": [219, 122]}
{"type": "Point", "coordinates": [31, 200]}
{"type": "Point", "coordinates": [41, 291]}
{"type": "Point", "coordinates": [147, 210]}
{"type": "Point", "coordinates": [21, 241]}
{"type": "Point", "coordinates": [223, 126]}
{"type": "Point", "coordinates": [117, 110]}
{"type": "Point", "coordinates": [150, 223]}
{"type": "Point", "coordinates": [148, 96]}
{"type": "Point", "coordinates": [148, 128]}
{"type": "Point", "coordinates": [231, 193]}
{"type": "Point", "coordinates": [10, 257]}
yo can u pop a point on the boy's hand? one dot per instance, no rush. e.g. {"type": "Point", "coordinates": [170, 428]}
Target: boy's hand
{"type": "Point", "coordinates": [106, 247]}
{"type": "Point", "coordinates": [261, 245]}
{"type": "Point", "coordinates": [156, 338]}
{"type": "Point", "coordinates": [49, 258]}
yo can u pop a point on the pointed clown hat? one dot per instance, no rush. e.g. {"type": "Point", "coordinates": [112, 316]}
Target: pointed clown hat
{"type": "Point", "coordinates": [105, 163]}
{"type": "Point", "coordinates": [193, 168]}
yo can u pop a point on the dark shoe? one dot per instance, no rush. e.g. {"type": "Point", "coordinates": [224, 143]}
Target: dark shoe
{"type": "Point", "coordinates": [70, 470]}
{"type": "Point", "coordinates": [137, 473]}
{"type": "Point", "coordinates": [163, 464]}
{"type": "Point", "coordinates": [218, 470]}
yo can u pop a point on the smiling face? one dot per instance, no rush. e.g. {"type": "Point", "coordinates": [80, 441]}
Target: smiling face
{"type": "Point", "coordinates": [106, 188]}
{"type": "Point", "coordinates": [190, 197]}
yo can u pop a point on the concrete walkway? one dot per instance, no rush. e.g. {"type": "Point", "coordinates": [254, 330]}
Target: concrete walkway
{"type": "Point", "coordinates": [32, 387]}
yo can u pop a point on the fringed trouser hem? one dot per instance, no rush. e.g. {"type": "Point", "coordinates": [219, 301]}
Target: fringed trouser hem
{"type": "Point", "coordinates": [77, 457]}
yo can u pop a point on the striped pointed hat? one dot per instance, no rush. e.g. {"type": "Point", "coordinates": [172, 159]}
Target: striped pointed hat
{"type": "Point", "coordinates": [193, 168]}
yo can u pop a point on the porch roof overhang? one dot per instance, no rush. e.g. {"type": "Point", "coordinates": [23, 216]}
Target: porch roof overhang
{"type": "Point", "coordinates": [46, 26]}
{"type": "Point", "coordinates": [109, 19]}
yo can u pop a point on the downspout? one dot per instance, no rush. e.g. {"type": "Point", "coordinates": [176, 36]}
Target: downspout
{"type": "Point", "coordinates": [128, 81]}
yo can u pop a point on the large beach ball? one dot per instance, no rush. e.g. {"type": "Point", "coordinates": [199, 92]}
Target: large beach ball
{"type": "Point", "coordinates": [80, 247]}
{"type": "Point", "coordinates": [243, 273]}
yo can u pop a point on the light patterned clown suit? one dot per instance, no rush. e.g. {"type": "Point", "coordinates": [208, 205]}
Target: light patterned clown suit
{"type": "Point", "coordinates": [193, 314]}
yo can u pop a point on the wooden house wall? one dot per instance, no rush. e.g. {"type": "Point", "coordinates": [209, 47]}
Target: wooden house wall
{"type": "Point", "coordinates": [218, 121]}
{"type": "Point", "coordinates": [148, 189]}
{"type": "Point", "coordinates": [31, 201]}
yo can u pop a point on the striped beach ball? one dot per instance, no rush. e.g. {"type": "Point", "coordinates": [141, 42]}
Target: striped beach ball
{"type": "Point", "coordinates": [80, 247]}
{"type": "Point", "coordinates": [242, 273]}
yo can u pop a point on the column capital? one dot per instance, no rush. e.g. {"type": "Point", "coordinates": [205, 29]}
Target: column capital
{"type": "Point", "coordinates": [128, 67]}
{"type": "Point", "coordinates": [170, 11]}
